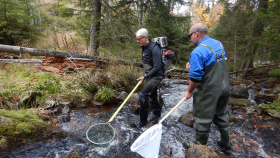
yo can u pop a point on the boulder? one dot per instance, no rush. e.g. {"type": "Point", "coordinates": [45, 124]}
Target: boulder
{"type": "Point", "coordinates": [201, 151]}
{"type": "Point", "coordinates": [239, 92]}
{"type": "Point", "coordinates": [63, 118]}
{"type": "Point", "coordinates": [263, 97]}
{"type": "Point", "coordinates": [187, 119]}
{"type": "Point", "coordinates": [133, 98]}
{"type": "Point", "coordinates": [238, 102]}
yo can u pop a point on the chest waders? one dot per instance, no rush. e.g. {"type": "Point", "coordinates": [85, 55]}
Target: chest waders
{"type": "Point", "coordinates": [210, 98]}
{"type": "Point", "coordinates": [148, 94]}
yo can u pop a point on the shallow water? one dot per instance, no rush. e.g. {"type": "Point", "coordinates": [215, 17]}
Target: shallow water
{"type": "Point", "coordinates": [247, 142]}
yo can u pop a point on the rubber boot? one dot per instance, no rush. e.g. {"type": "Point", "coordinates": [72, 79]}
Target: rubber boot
{"type": "Point", "coordinates": [224, 141]}
{"type": "Point", "coordinates": [201, 137]}
{"type": "Point", "coordinates": [144, 110]}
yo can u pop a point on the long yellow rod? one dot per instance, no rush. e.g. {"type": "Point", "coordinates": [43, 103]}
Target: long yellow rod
{"type": "Point", "coordinates": [124, 102]}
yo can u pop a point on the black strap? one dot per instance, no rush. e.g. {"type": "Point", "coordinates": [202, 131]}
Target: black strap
{"type": "Point", "coordinates": [150, 49]}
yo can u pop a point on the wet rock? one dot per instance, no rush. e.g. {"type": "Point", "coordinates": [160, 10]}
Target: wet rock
{"type": "Point", "coordinates": [239, 92]}
{"type": "Point", "coordinates": [275, 114]}
{"type": "Point", "coordinates": [65, 110]}
{"type": "Point", "coordinates": [185, 82]}
{"type": "Point", "coordinates": [276, 89]}
{"type": "Point", "coordinates": [57, 109]}
{"type": "Point", "coordinates": [63, 118]}
{"type": "Point", "coordinates": [135, 109]}
{"type": "Point", "coordinates": [238, 102]}
{"type": "Point", "coordinates": [72, 155]}
{"type": "Point", "coordinates": [256, 87]}
{"type": "Point", "coordinates": [250, 109]}
{"type": "Point", "coordinates": [260, 80]}
{"type": "Point", "coordinates": [82, 105]}
{"type": "Point", "coordinates": [265, 97]}
{"type": "Point", "coordinates": [267, 84]}
{"type": "Point", "coordinates": [96, 103]}
{"type": "Point", "coordinates": [235, 119]}
{"type": "Point", "coordinates": [201, 151]}
{"type": "Point", "coordinates": [187, 119]}
{"type": "Point", "coordinates": [122, 156]}
{"type": "Point", "coordinates": [45, 113]}
{"type": "Point", "coordinates": [133, 98]}
{"type": "Point", "coordinates": [49, 104]}
{"type": "Point", "coordinates": [64, 103]}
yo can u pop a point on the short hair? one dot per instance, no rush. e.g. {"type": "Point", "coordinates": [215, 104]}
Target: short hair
{"type": "Point", "coordinates": [142, 32]}
{"type": "Point", "coordinates": [201, 29]}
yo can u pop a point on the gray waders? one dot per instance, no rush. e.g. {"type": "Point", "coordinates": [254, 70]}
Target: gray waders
{"type": "Point", "coordinates": [210, 101]}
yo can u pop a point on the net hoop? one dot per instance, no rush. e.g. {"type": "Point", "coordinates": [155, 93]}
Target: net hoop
{"type": "Point", "coordinates": [149, 134]}
{"type": "Point", "coordinates": [96, 126]}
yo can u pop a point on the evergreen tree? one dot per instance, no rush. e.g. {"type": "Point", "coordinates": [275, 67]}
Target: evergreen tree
{"type": "Point", "coordinates": [16, 21]}
{"type": "Point", "coordinates": [249, 29]}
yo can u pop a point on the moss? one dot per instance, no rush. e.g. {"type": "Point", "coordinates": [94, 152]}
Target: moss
{"type": "Point", "coordinates": [72, 155]}
{"type": "Point", "coordinates": [24, 128]}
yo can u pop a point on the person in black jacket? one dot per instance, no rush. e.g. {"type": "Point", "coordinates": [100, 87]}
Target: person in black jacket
{"type": "Point", "coordinates": [151, 58]}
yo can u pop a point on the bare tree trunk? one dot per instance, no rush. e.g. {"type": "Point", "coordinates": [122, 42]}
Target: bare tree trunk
{"type": "Point", "coordinates": [95, 26]}
{"type": "Point", "coordinates": [139, 13]}
{"type": "Point", "coordinates": [39, 12]}
{"type": "Point", "coordinates": [235, 52]}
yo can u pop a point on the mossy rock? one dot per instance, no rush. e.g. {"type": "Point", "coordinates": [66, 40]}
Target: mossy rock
{"type": "Point", "coordinates": [239, 102]}
{"type": "Point", "coordinates": [72, 155]}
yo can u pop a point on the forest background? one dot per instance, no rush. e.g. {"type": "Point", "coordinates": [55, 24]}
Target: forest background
{"type": "Point", "coordinates": [248, 29]}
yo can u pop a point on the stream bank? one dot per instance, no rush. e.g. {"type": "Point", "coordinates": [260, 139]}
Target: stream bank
{"type": "Point", "coordinates": [253, 133]}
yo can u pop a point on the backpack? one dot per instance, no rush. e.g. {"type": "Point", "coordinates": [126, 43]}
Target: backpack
{"type": "Point", "coordinates": [167, 55]}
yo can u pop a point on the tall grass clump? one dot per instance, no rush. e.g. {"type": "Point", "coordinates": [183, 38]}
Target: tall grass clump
{"type": "Point", "coordinates": [125, 76]}
{"type": "Point", "coordinates": [275, 73]}
{"type": "Point", "coordinates": [21, 81]}
{"type": "Point", "coordinates": [105, 94]}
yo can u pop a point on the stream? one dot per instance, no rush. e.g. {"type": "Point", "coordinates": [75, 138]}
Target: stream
{"type": "Point", "coordinates": [247, 141]}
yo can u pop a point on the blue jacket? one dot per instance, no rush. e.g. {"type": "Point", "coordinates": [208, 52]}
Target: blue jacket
{"type": "Point", "coordinates": [202, 57]}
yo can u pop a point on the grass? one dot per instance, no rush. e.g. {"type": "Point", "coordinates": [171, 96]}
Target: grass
{"type": "Point", "coordinates": [275, 73]}
{"type": "Point", "coordinates": [22, 126]}
{"type": "Point", "coordinates": [271, 107]}
{"type": "Point", "coordinates": [22, 122]}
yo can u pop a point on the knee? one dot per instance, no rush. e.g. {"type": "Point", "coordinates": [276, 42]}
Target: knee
{"type": "Point", "coordinates": [142, 97]}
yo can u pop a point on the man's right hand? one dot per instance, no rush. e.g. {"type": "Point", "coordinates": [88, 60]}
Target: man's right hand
{"type": "Point", "coordinates": [141, 79]}
{"type": "Point", "coordinates": [187, 95]}
{"type": "Point", "coordinates": [188, 66]}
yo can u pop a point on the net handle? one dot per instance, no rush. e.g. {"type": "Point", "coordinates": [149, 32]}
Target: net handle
{"type": "Point", "coordinates": [111, 119]}
{"type": "Point", "coordinates": [172, 110]}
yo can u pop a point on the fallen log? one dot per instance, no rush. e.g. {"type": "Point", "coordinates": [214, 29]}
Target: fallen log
{"type": "Point", "coordinates": [21, 60]}
{"type": "Point", "coordinates": [44, 52]}
{"type": "Point", "coordinates": [68, 55]}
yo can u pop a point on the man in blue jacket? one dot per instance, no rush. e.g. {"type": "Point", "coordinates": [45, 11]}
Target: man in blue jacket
{"type": "Point", "coordinates": [209, 86]}
{"type": "Point", "coordinates": [151, 58]}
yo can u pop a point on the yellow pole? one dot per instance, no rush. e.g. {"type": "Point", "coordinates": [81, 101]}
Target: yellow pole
{"type": "Point", "coordinates": [124, 102]}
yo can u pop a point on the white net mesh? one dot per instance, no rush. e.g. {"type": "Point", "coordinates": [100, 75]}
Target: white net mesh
{"type": "Point", "coordinates": [148, 143]}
